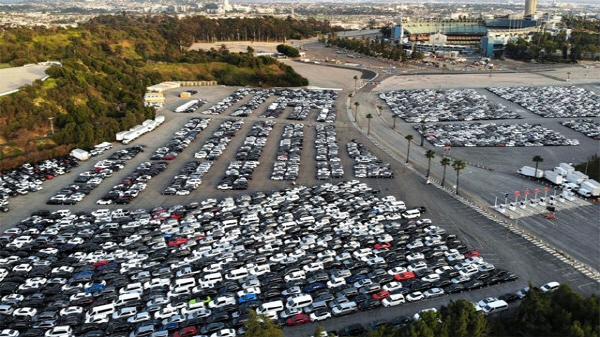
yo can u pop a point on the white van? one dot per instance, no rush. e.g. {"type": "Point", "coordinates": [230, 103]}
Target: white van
{"type": "Point", "coordinates": [393, 300]}
{"type": "Point", "coordinates": [187, 282]}
{"type": "Point", "coordinates": [411, 214]}
{"type": "Point", "coordinates": [299, 302]}
{"type": "Point", "coordinates": [237, 274]}
{"type": "Point", "coordinates": [102, 310]}
{"type": "Point", "coordinates": [127, 299]}
{"type": "Point", "coordinates": [495, 306]}
{"type": "Point", "coordinates": [212, 278]}
{"type": "Point", "coordinates": [275, 306]}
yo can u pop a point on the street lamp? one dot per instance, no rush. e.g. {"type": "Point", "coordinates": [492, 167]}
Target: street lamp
{"type": "Point", "coordinates": [51, 124]}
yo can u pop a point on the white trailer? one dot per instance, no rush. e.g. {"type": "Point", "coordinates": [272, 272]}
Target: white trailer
{"type": "Point", "coordinates": [561, 171]}
{"type": "Point", "coordinates": [529, 171]}
{"type": "Point", "coordinates": [577, 177]}
{"type": "Point", "coordinates": [80, 154]}
{"type": "Point", "coordinates": [186, 106]}
{"type": "Point", "coordinates": [119, 135]}
{"type": "Point", "coordinates": [567, 167]}
{"type": "Point", "coordinates": [553, 177]}
{"type": "Point", "coordinates": [159, 119]}
{"type": "Point", "coordinates": [592, 186]}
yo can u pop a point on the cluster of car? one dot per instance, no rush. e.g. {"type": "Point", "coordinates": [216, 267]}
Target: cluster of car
{"type": "Point", "coordinates": [276, 108]}
{"type": "Point", "coordinates": [553, 102]}
{"type": "Point", "coordinates": [287, 165]}
{"type": "Point", "coordinates": [88, 180]}
{"type": "Point", "coordinates": [237, 175]}
{"type": "Point", "coordinates": [327, 115]}
{"type": "Point", "coordinates": [327, 153]}
{"type": "Point", "coordinates": [479, 134]}
{"type": "Point", "coordinates": [215, 145]}
{"type": "Point", "coordinates": [588, 127]}
{"type": "Point", "coordinates": [228, 101]}
{"type": "Point", "coordinates": [428, 105]}
{"type": "Point", "coordinates": [181, 139]}
{"type": "Point", "coordinates": [191, 106]}
{"type": "Point", "coordinates": [188, 179]}
{"type": "Point", "coordinates": [366, 164]}
{"type": "Point", "coordinates": [30, 177]}
{"type": "Point", "coordinates": [244, 110]}
{"type": "Point", "coordinates": [306, 253]}
{"type": "Point", "coordinates": [255, 141]}
{"type": "Point", "coordinates": [129, 188]}
{"type": "Point", "coordinates": [99, 149]}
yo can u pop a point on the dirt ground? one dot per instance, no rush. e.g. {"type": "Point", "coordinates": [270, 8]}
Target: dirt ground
{"type": "Point", "coordinates": [242, 46]}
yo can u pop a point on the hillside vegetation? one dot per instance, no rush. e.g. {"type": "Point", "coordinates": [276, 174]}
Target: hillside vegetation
{"type": "Point", "coordinates": [108, 62]}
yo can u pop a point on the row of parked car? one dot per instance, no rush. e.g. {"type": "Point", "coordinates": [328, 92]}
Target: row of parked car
{"type": "Point", "coordinates": [287, 164]}
{"type": "Point", "coordinates": [327, 153]}
{"type": "Point", "coordinates": [29, 177]}
{"type": "Point", "coordinates": [316, 251]}
{"type": "Point", "coordinates": [228, 101]}
{"type": "Point", "coordinates": [492, 134]}
{"type": "Point", "coordinates": [366, 164]}
{"type": "Point", "coordinates": [587, 126]}
{"type": "Point", "coordinates": [132, 185]}
{"type": "Point", "coordinates": [553, 102]}
{"type": "Point", "coordinates": [237, 175]}
{"type": "Point", "coordinates": [188, 179]}
{"type": "Point", "coordinates": [88, 180]}
{"type": "Point", "coordinates": [214, 146]}
{"type": "Point", "coordinates": [181, 139]}
{"type": "Point", "coordinates": [244, 110]}
{"type": "Point", "coordinates": [428, 105]}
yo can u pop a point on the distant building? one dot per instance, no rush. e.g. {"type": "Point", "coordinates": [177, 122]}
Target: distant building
{"type": "Point", "coordinates": [155, 99]}
{"type": "Point", "coordinates": [530, 7]}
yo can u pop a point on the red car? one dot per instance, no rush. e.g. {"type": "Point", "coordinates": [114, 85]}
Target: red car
{"type": "Point", "coordinates": [384, 245]}
{"type": "Point", "coordinates": [473, 253]}
{"type": "Point", "coordinates": [298, 319]}
{"type": "Point", "coordinates": [178, 242]}
{"type": "Point", "coordinates": [407, 275]}
{"type": "Point", "coordinates": [186, 332]}
{"type": "Point", "coordinates": [100, 263]}
{"type": "Point", "coordinates": [381, 295]}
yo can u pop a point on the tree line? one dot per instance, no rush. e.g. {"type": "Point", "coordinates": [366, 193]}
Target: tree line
{"type": "Point", "coordinates": [107, 64]}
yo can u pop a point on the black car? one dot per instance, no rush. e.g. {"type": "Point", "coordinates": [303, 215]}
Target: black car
{"type": "Point", "coordinates": [509, 297]}
{"type": "Point", "coordinates": [454, 288]}
{"type": "Point", "coordinates": [474, 284]}
{"type": "Point", "coordinates": [369, 304]}
{"type": "Point", "coordinates": [352, 330]}
{"type": "Point", "coordinates": [212, 328]}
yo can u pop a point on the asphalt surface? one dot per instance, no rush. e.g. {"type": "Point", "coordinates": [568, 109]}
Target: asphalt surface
{"type": "Point", "coordinates": [14, 78]}
{"type": "Point", "coordinates": [575, 232]}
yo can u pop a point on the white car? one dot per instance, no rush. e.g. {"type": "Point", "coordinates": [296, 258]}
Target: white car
{"type": "Point", "coordinates": [433, 292]}
{"type": "Point", "coordinates": [60, 331]}
{"type": "Point", "coordinates": [319, 315]}
{"type": "Point", "coordinates": [71, 310]}
{"type": "Point", "coordinates": [25, 312]}
{"type": "Point", "coordinates": [415, 296]}
{"type": "Point", "coordinates": [224, 333]}
{"type": "Point", "coordinates": [221, 302]}
{"type": "Point", "coordinates": [9, 333]}
{"type": "Point", "coordinates": [124, 313]}
{"type": "Point", "coordinates": [392, 286]}
{"type": "Point", "coordinates": [336, 282]}
{"type": "Point", "coordinates": [166, 312]}
{"type": "Point", "coordinates": [550, 287]}
{"type": "Point", "coordinates": [431, 278]}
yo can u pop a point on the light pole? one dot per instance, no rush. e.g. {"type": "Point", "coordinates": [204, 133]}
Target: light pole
{"type": "Point", "coordinates": [51, 124]}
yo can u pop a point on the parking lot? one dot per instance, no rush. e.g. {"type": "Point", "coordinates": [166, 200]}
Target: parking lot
{"type": "Point", "coordinates": [471, 229]}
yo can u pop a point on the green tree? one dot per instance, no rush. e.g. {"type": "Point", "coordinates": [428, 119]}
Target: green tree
{"type": "Point", "coordinates": [369, 117]}
{"type": "Point", "coordinates": [458, 165]}
{"type": "Point", "coordinates": [429, 154]}
{"type": "Point", "coordinates": [394, 117]}
{"type": "Point", "coordinates": [261, 326]}
{"type": "Point", "coordinates": [462, 320]}
{"type": "Point", "coordinates": [537, 159]}
{"type": "Point", "coordinates": [379, 109]}
{"type": "Point", "coordinates": [409, 139]}
{"type": "Point", "coordinates": [355, 82]}
{"type": "Point", "coordinates": [356, 105]}
{"type": "Point", "coordinates": [445, 162]}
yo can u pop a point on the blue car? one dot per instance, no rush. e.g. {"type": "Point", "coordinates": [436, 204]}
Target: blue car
{"type": "Point", "coordinates": [314, 287]}
{"type": "Point", "coordinates": [94, 288]}
{"type": "Point", "coordinates": [355, 278]}
{"type": "Point", "coordinates": [109, 266]}
{"type": "Point", "coordinates": [248, 298]}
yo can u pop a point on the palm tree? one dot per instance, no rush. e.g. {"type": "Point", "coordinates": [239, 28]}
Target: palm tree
{"type": "Point", "coordinates": [422, 132]}
{"type": "Point", "coordinates": [369, 116]}
{"type": "Point", "coordinates": [379, 108]}
{"type": "Point", "coordinates": [356, 104]}
{"type": "Point", "coordinates": [445, 162]}
{"type": "Point", "coordinates": [537, 160]}
{"type": "Point", "coordinates": [458, 166]}
{"type": "Point", "coordinates": [355, 82]}
{"type": "Point", "coordinates": [409, 138]}
{"type": "Point", "coordinates": [394, 116]}
{"type": "Point", "coordinates": [430, 154]}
